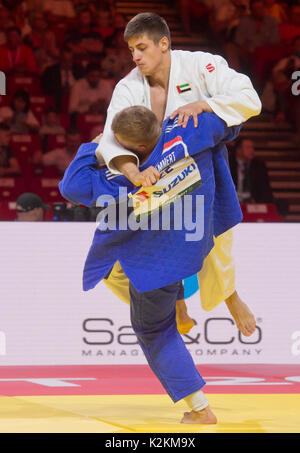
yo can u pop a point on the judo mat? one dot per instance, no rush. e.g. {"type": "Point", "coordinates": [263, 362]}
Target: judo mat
{"type": "Point", "coordinates": [129, 399]}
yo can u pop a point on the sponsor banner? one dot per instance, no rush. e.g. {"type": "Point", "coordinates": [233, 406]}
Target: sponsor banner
{"type": "Point", "coordinates": [47, 319]}
{"type": "Point", "coordinates": [176, 181]}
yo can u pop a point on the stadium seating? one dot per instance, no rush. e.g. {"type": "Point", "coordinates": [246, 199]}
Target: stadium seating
{"type": "Point", "coordinates": [56, 141]}
{"type": "Point", "coordinates": [11, 188]}
{"type": "Point", "coordinates": [46, 188]}
{"type": "Point", "coordinates": [39, 104]}
{"type": "Point", "coordinates": [87, 122]}
{"type": "Point", "coordinates": [260, 212]}
{"type": "Point", "coordinates": [7, 210]}
{"type": "Point", "coordinates": [23, 146]}
{"type": "Point", "coordinates": [23, 82]}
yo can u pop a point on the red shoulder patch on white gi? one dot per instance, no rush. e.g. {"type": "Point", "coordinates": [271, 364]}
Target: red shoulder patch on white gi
{"type": "Point", "coordinates": [210, 67]}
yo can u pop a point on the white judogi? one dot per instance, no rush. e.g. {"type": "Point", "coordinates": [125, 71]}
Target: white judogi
{"type": "Point", "coordinates": [230, 94]}
{"type": "Point", "coordinates": [194, 76]}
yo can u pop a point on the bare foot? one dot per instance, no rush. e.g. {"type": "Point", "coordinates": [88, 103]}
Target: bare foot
{"type": "Point", "coordinates": [242, 315]}
{"type": "Point", "coordinates": [183, 320]}
{"type": "Point", "coordinates": [205, 417]}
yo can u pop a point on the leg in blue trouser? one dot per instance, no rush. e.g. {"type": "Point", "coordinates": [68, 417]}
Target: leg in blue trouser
{"type": "Point", "coordinates": [153, 318]}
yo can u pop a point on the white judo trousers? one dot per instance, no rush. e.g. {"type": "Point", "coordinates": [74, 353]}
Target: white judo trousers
{"type": "Point", "coordinates": [194, 76]}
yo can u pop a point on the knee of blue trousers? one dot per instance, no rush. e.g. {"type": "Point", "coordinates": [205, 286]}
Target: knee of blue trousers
{"type": "Point", "coordinates": [148, 331]}
{"type": "Point", "coordinates": [154, 310]}
{"type": "Point", "coordinates": [170, 360]}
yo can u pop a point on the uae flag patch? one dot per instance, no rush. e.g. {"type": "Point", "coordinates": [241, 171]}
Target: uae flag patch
{"type": "Point", "coordinates": [183, 88]}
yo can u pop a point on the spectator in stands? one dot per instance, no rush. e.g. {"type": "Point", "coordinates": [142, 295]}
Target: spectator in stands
{"type": "Point", "coordinates": [80, 5]}
{"type": "Point", "coordinates": [12, 4]}
{"type": "Point", "coordinates": [35, 6]}
{"type": "Point", "coordinates": [38, 29]}
{"type": "Point", "coordinates": [21, 19]}
{"type": "Point", "coordinates": [224, 17]}
{"type": "Point", "coordinates": [256, 43]}
{"type": "Point", "coordinates": [119, 22]}
{"type": "Point", "coordinates": [5, 23]}
{"type": "Point", "coordinates": [30, 208]}
{"type": "Point", "coordinates": [249, 174]}
{"type": "Point", "coordinates": [48, 53]}
{"type": "Point", "coordinates": [60, 157]}
{"type": "Point", "coordinates": [57, 80]}
{"type": "Point", "coordinates": [51, 124]}
{"type": "Point", "coordinates": [117, 62]}
{"type": "Point", "coordinates": [9, 165]}
{"type": "Point", "coordinates": [84, 24]}
{"type": "Point", "coordinates": [90, 49]}
{"type": "Point", "coordinates": [104, 25]}
{"type": "Point", "coordinates": [194, 15]}
{"type": "Point", "coordinates": [57, 10]}
{"type": "Point", "coordinates": [256, 29]}
{"type": "Point", "coordinates": [85, 21]}
{"type": "Point", "coordinates": [91, 94]}
{"type": "Point", "coordinates": [107, 5]}
{"type": "Point", "coordinates": [288, 103]}
{"type": "Point", "coordinates": [19, 116]}
{"type": "Point", "coordinates": [277, 10]}
{"type": "Point", "coordinates": [15, 57]}
{"type": "Point", "coordinates": [112, 66]}
{"type": "Point", "coordinates": [289, 30]}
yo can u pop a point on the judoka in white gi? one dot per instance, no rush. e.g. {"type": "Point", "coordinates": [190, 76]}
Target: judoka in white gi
{"type": "Point", "coordinates": [183, 83]}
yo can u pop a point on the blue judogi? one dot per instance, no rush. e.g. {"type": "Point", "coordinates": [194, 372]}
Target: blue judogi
{"type": "Point", "coordinates": [192, 161]}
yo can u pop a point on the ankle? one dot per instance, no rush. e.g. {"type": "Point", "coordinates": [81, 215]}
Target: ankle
{"type": "Point", "coordinates": [230, 299]}
{"type": "Point", "coordinates": [181, 306]}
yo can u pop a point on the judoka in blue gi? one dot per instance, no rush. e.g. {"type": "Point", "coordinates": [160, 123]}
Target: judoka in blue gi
{"type": "Point", "coordinates": [193, 169]}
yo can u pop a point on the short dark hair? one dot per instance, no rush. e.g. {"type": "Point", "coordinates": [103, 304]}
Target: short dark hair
{"type": "Point", "coordinates": [14, 28]}
{"type": "Point", "coordinates": [51, 110]}
{"type": "Point", "coordinates": [92, 67]}
{"type": "Point", "coordinates": [66, 48]}
{"type": "Point", "coordinates": [239, 142]}
{"type": "Point", "coordinates": [137, 124]}
{"type": "Point", "coordinates": [72, 131]}
{"type": "Point", "coordinates": [21, 94]}
{"type": "Point", "coordinates": [4, 127]}
{"type": "Point", "coordinates": [150, 24]}
{"type": "Point", "coordinates": [252, 2]}
{"type": "Point", "coordinates": [84, 9]}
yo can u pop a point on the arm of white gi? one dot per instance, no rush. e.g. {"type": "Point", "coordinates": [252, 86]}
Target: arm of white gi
{"type": "Point", "coordinates": [109, 148]}
{"type": "Point", "coordinates": [232, 96]}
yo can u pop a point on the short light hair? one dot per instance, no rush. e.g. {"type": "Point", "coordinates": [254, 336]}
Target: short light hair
{"type": "Point", "coordinates": [150, 24]}
{"type": "Point", "coordinates": [137, 124]}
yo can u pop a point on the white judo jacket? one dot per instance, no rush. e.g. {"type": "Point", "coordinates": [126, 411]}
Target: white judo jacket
{"type": "Point", "coordinates": [194, 76]}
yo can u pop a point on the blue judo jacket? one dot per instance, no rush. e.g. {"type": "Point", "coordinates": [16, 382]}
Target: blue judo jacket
{"type": "Point", "coordinates": [167, 230]}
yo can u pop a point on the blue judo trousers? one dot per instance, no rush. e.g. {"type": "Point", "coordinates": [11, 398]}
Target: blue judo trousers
{"type": "Point", "coordinates": [190, 160]}
{"type": "Point", "coordinates": [153, 319]}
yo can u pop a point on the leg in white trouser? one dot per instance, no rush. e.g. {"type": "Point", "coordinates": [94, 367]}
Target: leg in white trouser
{"type": "Point", "coordinates": [217, 276]}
